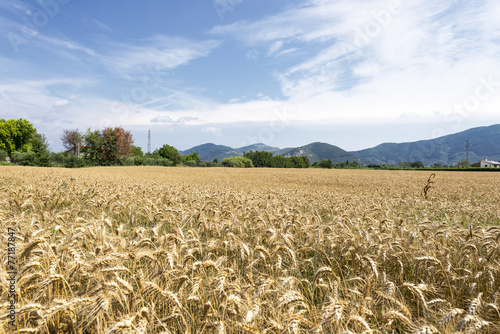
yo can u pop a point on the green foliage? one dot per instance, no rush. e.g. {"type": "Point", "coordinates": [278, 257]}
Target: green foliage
{"type": "Point", "coordinates": [15, 135]}
{"type": "Point", "coordinates": [109, 142]}
{"type": "Point", "coordinates": [159, 161]}
{"type": "Point", "coordinates": [23, 158]}
{"type": "Point", "coordinates": [137, 151]}
{"type": "Point", "coordinates": [193, 156]}
{"type": "Point", "coordinates": [325, 163]}
{"type": "Point", "coordinates": [260, 158]}
{"type": "Point", "coordinates": [215, 161]}
{"type": "Point", "coordinates": [40, 147]}
{"type": "Point", "coordinates": [208, 164]}
{"type": "Point", "coordinates": [267, 159]}
{"type": "Point", "coordinates": [238, 162]}
{"type": "Point", "coordinates": [405, 164]}
{"type": "Point", "coordinates": [3, 155]}
{"type": "Point", "coordinates": [170, 153]}
{"type": "Point", "coordinates": [417, 164]}
{"type": "Point", "coordinates": [73, 161]}
{"type": "Point", "coordinates": [190, 163]}
{"type": "Point", "coordinates": [92, 149]}
{"type": "Point", "coordinates": [463, 164]}
{"type": "Point", "coordinates": [37, 155]}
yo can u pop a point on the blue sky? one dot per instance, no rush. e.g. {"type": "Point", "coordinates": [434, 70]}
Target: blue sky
{"type": "Point", "coordinates": [353, 73]}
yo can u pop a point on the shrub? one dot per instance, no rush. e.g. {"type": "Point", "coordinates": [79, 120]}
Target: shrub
{"type": "Point", "coordinates": [190, 163]}
{"type": "Point", "coordinates": [3, 155]}
{"type": "Point", "coordinates": [157, 162]}
{"type": "Point", "coordinates": [325, 163]}
{"type": "Point", "coordinates": [23, 158]}
{"type": "Point", "coordinates": [239, 162]}
{"type": "Point", "coordinates": [73, 161]}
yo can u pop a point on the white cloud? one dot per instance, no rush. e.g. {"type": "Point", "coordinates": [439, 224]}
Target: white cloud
{"type": "Point", "coordinates": [160, 53]}
{"type": "Point", "coordinates": [213, 130]}
{"type": "Point", "coordinates": [359, 59]}
{"type": "Point", "coordinates": [61, 103]}
{"type": "Point", "coordinates": [165, 119]}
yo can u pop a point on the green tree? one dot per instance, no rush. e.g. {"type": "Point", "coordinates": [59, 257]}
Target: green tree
{"type": "Point", "coordinates": [238, 162]}
{"type": "Point", "coordinates": [326, 163]}
{"type": "Point", "coordinates": [92, 148]}
{"type": "Point", "coordinates": [137, 151]}
{"type": "Point", "coordinates": [193, 156]}
{"type": "Point", "coordinates": [417, 164]}
{"type": "Point", "coordinates": [40, 147]}
{"type": "Point", "coordinates": [15, 135]}
{"type": "Point", "coordinates": [109, 146]}
{"type": "Point", "coordinates": [405, 164]}
{"type": "Point", "coordinates": [463, 164]}
{"type": "Point", "coordinates": [170, 153]}
{"type": "Point", "coordinates": [307, 162]}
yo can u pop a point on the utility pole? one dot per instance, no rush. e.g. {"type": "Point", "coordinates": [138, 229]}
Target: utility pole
{"type": "Point", "coordinates": [149, 141]}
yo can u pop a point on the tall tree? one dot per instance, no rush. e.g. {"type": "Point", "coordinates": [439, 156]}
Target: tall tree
{"type": "Point", "coordinates": [40, 147]}
{"type": "Point", "coordinates": [117, 144]}
{"type": "Point", "coordinates": [15, 135]}
{"type": "Point", "coordinates": [169, 152]}
{"type": "Point", "coordinates": [72, 141]}
{"type": "Point", "coordinates": [124, 143]}
{"type": "Point", "coordinates": [92, 148]}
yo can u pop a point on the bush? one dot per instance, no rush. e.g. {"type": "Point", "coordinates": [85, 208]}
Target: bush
{"type": "Point", "coordinates": [59, 158]}
{"type": "Point", "coordinates": [23, 158]}
{"type": "Point", "coordinates": [325, 164]}
{"type": "Point", "coordinates": [190, 163]}
{"type": "Point", "coordinates": [73, 161]}
{"type": "Point", "coordinates": [157, 162]}
{"type": "Point", "coordinates": [3, 155]}
{"type": "Point", "coordinates": [238, 162]}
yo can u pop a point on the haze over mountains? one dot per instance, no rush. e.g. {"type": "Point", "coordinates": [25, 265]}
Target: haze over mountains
{"type": "Point", "coordinates": [447, 150]}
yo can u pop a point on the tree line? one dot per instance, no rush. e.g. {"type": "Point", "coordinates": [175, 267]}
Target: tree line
{"type": "Point", "coordinates": [21, 143]}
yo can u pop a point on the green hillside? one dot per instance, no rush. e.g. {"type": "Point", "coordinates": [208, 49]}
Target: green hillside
{"type": "Point", "coordinates": [447, 150]}
{"type": "Point", "coordinates": [210, 151]}
{"type": "Point", "coordinates": [320, 151]}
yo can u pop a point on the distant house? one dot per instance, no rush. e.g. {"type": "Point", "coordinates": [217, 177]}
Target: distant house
{"type": "Point", "coordinates": [486, 163]}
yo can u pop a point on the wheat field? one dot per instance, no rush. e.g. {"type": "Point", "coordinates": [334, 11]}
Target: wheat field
{"type": "Point", "coordinates": [216, 250]}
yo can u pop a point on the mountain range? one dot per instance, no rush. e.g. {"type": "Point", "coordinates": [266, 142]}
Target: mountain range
{"type": "Point", "coordinates": [484, 142]}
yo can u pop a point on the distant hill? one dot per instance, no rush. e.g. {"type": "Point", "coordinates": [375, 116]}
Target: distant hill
{"type": "Point", "coordinates": [447, 150]}
{"type": "Point", "coordinates": [258, 147]}
{"type": "Point", "coordinates": [210, 151]}
{"type": "Point", "coordinates": [320, 151]}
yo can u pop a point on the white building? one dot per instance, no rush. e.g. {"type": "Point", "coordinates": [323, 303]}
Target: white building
{"type": "Point", "coordinates": [486, 164]}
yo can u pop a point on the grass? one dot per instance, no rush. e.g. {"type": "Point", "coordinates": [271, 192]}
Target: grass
{"type": "Point", "coordinates": [197, 250]}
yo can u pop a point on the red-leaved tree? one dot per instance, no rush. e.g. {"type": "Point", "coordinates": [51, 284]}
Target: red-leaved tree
{"type": "Point", "coordinates": [117, 144]}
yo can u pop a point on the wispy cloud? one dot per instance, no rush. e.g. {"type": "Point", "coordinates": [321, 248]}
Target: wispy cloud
{"type": "Point", "coordinates": [356, 56]}
{"type": "Point", "coordinates": [160, 53]}
{"type": "Point", "coordinates": [170, 121]}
